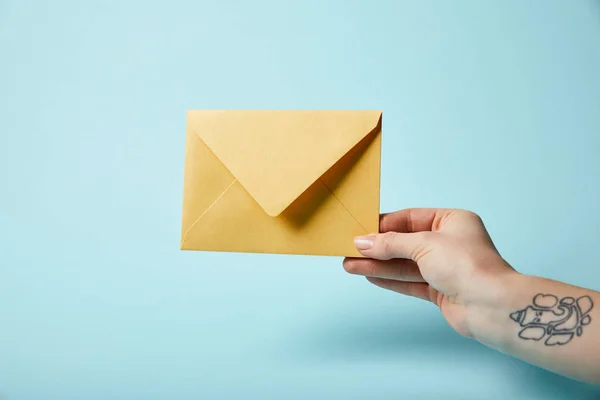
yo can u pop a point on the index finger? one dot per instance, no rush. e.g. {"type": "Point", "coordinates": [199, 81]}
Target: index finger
{"type": "Point", "coordinates": [413, 220]}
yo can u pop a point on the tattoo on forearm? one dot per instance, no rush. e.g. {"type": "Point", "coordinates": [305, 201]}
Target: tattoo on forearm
{"type": "Point", "coordinates": [557, 321]}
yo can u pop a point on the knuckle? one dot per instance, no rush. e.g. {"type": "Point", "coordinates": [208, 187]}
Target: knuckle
{"type": "Point", "coordinates": [409, 290]}
{"type": "Point", "coordinates": [406, 270]}
{"type": "Point", "coordinates": [388, 240]}
{"type": "Point", "coordinates": [372, 268]}
{"type": "Point", "coordinates": [402, 270]}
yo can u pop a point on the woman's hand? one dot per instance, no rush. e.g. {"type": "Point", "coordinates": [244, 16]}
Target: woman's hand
{"type": "Point", "coordinates": [442, 255]}
{"type": "Point", "coordinates": [447, 257]}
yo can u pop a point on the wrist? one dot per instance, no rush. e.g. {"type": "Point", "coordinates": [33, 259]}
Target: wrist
{"type": "Point", "coordinates": [488, 316]}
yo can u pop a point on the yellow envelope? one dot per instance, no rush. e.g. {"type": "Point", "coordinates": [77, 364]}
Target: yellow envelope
{"type": "Point", "coordinates": [286, 182]}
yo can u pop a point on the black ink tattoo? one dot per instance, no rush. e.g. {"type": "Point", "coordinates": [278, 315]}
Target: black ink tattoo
{"type": "Point", "coordinates": [558, 321]}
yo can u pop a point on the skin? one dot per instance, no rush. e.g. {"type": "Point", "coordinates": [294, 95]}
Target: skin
{"type": "Point", "coordinates": [447, 257]}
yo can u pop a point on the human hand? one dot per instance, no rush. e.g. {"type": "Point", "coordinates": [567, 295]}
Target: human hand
{"type": "Point", "coordinates": [442, 255]}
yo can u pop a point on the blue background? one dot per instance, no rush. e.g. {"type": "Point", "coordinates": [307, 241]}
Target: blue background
{"type": "Point", "coordinates": [489, 106]}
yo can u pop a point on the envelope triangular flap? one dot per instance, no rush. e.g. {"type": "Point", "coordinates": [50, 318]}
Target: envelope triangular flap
{"type": "Point", "coordinates": [277, 155]}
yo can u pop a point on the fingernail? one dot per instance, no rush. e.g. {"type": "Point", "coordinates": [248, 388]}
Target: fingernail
{"type": "Point", "coordinates": [363, 242]}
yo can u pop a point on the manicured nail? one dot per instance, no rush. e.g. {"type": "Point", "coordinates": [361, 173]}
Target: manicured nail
{"type": "Point", "coordinates": [363, 242]}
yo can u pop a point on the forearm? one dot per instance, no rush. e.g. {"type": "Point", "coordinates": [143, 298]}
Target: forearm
{"type": "Point", "coordinates": [547, 323]}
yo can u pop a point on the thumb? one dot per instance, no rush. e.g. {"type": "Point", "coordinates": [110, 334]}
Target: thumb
{"type": "Point", "coordinates": [388, 245]}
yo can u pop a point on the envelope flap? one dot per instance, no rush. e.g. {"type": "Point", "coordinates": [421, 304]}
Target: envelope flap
{"type": "Point", "coordinates": [277, 155]}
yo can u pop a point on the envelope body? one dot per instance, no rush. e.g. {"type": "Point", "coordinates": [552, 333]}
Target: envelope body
{"type": "Point", "coordinates": [282, 182]}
